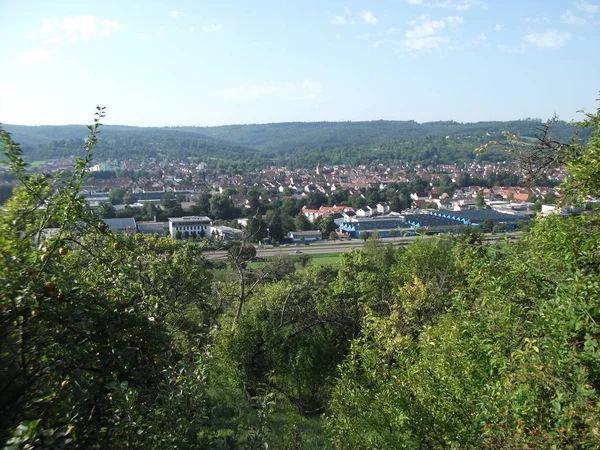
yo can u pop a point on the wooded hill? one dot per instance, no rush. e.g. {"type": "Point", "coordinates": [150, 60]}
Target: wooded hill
{"type": "Point", "coordinates": [296, 144]}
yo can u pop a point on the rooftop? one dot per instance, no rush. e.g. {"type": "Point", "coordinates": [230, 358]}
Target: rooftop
{"type": "Point", "coordinates": [190, 219]}
{"type": "Point", "coordinates": [121, 224]}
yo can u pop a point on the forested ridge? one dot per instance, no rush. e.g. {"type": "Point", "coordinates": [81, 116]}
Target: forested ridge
{"type": "Point", "coordinates": [297, 144]}
{"type": "Point", "coordinates": [115, 341]}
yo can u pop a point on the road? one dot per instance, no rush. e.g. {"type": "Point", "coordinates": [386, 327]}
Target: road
{"type": "Point", "coordinates": [345, 246]}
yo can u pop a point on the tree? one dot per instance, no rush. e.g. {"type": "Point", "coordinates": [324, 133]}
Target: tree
{"type": "Point", "coordinates": [372, 196]}
{"type": "Point", "coordinates": [479, 200]}
{"type": "Point", "coordinates": [333, 236]}
{"type": "Point", "coordinates": [289, 207]}
{"type": "Point", "coordinates": [287, 223]}
{"type": "Point", "coordinates": [256, 230]}
{"type": "Point", "coordinates": [397, 205]}
{"type": "Point", "coordinates": [290, 339]}
{"type": "Point", "coordinates": [357, 201]}
{"type": "Point", "coordinates": [239, 255]}
{"type": "Point", "coordinates": [364, 235]}
{"type": "Point", "coordinates": [276, 231]}
{"type": "Point", "coordinates": [202, 205]}
{"type": "Point", "coordinates": [455, 329]}
{"type": "Point", "coordinates": [171, 205]}
{"type": "Point", "coordinates": [129, 198]}
{"type": "Point", "coordinates": [328, 226]}
{"type": "Point", "coordinates": [315, 200]}
{"type": "Point", "coordinates": [487, 225]}
{"type": "Point", "coordinates": [83, 360]}
{"type": "Point", "coordinates": [115, 196]}
{"type": "Point", "coordinates": [221, 207]}
{"type": "Point", "coordinates": [583, 162]}
{"type": "Point", "coordinates": [499, 228]}
{"type": "Point", "coordinates": [464, 180]}
{"type": "Point", "coordinates": [381, 255]}
{"type": "Point", "coordinates": [302, 223]}
{"type": "Point", "coordinates": [106, 210]}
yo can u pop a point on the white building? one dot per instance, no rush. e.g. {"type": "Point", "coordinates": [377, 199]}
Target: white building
{"type": "Point", "coordinates": [383, 208]}
{"type": "Point", "coordinates": [200, 226]}
{"type": "Point", "coordinates": [367, 211]}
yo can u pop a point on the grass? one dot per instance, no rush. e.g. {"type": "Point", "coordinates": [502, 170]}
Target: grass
{"type": "Point", "coordinates": [318, 260]}
{"type": "Point", "coordinates": [325, 259]}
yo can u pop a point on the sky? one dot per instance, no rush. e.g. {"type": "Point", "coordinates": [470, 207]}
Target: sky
{"type": "Point", "coordinates": [218, 62]}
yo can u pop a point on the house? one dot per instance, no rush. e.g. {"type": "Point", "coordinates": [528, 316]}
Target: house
{"type": "Point", "coordinates": [461, 204]}
{"type": "Point", "coordinates": [520, 197]}
{"type": "Point", "coordinates": [383, 208]}
{"type": "Point", "coordinates": [367, 211]}
{"type": "Point", "coordinates": [312, 214]}
{"type": "Point", "coordinates": [183, 189]}
{"type": "Point", "coordinates": [190, 226]}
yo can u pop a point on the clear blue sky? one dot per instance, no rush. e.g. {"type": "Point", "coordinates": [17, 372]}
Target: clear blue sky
{"type": "Point", "coordinates": [155, 63]}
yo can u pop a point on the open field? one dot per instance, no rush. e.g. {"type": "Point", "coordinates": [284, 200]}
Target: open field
{"type": "Point", "coordinates": [325, 259]}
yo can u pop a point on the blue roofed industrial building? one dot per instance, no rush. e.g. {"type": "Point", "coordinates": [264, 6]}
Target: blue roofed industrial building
{"type": "Point", "coordinates": [427, 221]}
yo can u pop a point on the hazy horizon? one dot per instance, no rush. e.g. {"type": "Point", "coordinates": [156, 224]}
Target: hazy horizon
{"type": "Point", "coordinates": [535, 119]}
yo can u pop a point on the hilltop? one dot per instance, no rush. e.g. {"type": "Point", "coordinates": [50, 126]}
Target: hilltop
{"type": "Point", "coordinates": [299, 144]}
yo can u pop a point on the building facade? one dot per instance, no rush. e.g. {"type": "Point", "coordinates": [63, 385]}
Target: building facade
{"type": "Point", "coordinates": [190, 226]}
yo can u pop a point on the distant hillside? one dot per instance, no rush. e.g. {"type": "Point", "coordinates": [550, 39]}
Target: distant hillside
{"type": "Point", "coordinates": [294, 143]}
{"type": "Point", "coordinates": [282, 137]}
{"type": "Point", "coordinates": [122, 142]}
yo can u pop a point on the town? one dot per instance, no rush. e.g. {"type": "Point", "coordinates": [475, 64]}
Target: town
{"type": "Point", "coordinates": [191, 200]}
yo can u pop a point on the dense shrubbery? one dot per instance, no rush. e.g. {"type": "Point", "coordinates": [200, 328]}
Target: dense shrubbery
{"type": "Point", "coordinates": [117, 341]}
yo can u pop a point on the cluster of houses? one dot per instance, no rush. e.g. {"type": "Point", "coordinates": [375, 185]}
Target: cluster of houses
{"type": "Point", "coordinates": [188, 178]}
{"type": "Point", "coordinates": [431, 211]}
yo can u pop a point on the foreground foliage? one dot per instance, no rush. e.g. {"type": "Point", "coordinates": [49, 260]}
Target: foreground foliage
{"type": "Point", "coordinates": [113, 341]}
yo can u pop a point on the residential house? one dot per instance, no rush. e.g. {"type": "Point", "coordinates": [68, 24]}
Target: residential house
{"type": "Point", "coordinates": [367, 211]}
{"type": "Point", "coordinates": [383, 208]}
{"type": "Point", "coordinates": [312, 214]}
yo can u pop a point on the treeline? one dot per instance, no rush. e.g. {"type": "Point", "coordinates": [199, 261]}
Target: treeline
{"type": "Point", "coordinates": [291, 144]}
{"type": "Point", "coordinates": [138, 144]}
{"type": "Point", "coordinates": [283, 137]}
